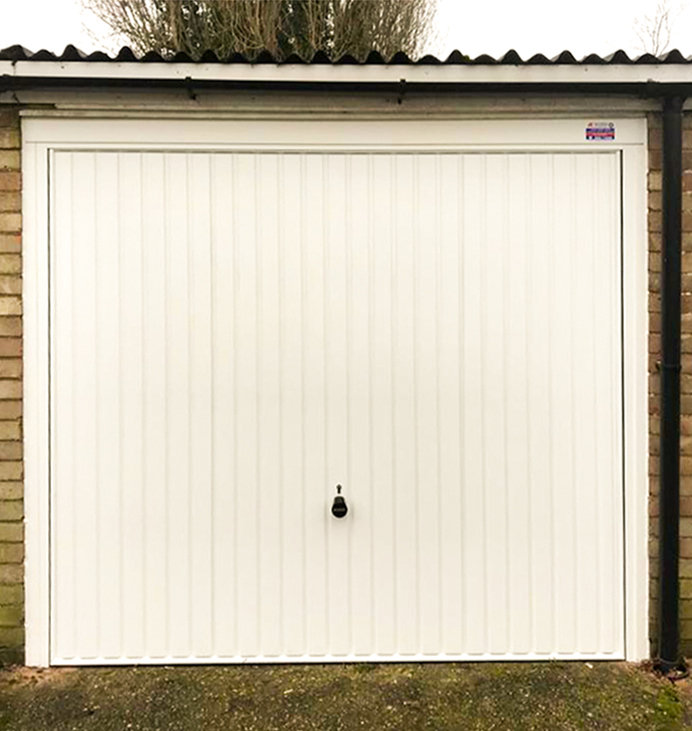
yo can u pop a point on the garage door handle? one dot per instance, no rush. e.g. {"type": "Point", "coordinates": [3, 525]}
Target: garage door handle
{"type": "Point", "coordinates": [339, 507]}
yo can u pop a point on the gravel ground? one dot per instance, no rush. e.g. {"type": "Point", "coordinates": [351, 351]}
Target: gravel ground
{"type": "Point", "coordinates": [406, 697]}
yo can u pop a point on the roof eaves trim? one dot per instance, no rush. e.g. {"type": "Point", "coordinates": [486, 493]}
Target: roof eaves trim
{"type": "Point", "coordinates": [666, 72]}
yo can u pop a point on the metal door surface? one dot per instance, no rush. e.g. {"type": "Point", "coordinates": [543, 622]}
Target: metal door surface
{"type": "Point", "coordinates": [234, 334]}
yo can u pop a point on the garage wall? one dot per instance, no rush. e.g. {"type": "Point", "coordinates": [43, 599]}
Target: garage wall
{"type": "Point", "coordinates": [11, 451]}
{"type": "Point", "coordinates": [11, 470]}
{"type": "Point", "coordinates": [655, 164]}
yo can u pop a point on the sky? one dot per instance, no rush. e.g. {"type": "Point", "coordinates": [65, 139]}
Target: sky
{"type": "Point", "coordinates": [494, 27]}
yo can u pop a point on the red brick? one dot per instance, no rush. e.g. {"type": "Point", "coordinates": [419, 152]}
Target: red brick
{"type": "Point", "coordinates": [11, 553]}
{"type": "Point", "coordinates": [10, 284]}
{"type": "Point", "coordinates": [11, 594]}
{"type": "Point", "coordinates": [10, 347]}
{"type": "Point", "coordinates": [10, 305]}
{"type": "Point", "coordinates": [11, 615]}
{"type": "Point", "coordinates": [10, 367]}
{"type": "Point", "coordinates": [10, 264]}
{"type": "Point", "coordinates": [655, 262]}
{"type": "Point", "coordinates": [11, 471]}
{"type": "Point", "coordinates": [10, 160]}
{"type": "Point", "coordinates": [10, 181]}
{"type": "Point", "coordinates": [10, 222]}
{"type": "Point", "coordinates": [686, 549]}
{"type": "Point", "coordinates": [10, 410]}
{"type": "Point", "coordinates": [10, 118]}
{"type": "Point", "coordinates": [11, 573]}
{"type": "Point", "coordinates": [10, 326]}
{"type": "Point", "coordinates": [11, 637]}
{"type": "Point", "coordinates": [11, 510]}
{"type": "Point", "coordinates": [10, 389]}
{"type": "Point", "coordinates": [10, 202]}
{"type": "Point", "coordinates": [9, 139]}
{"type": "Point", "coordinates": [11, 490]}
{"type": "Point", "coordinates": [12, 532]}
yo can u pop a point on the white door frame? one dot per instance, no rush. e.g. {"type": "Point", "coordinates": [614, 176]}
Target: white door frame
{"type": "Point", "coordinates": [42, 136]}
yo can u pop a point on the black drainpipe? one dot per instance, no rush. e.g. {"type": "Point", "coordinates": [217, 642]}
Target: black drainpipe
{"type": "Point", "coordinates": [669, 494]}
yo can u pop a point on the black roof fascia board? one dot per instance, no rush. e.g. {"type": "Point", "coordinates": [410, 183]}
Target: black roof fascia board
{"type": "Point", "coordinates": [648, 89]}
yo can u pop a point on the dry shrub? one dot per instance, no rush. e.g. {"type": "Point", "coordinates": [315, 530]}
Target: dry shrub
{"type": "Point", "coordinates": [281, 27]}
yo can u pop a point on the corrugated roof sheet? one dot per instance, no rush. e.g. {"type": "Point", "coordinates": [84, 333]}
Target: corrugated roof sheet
{"type": "Point", "coordinates": [456, 58]}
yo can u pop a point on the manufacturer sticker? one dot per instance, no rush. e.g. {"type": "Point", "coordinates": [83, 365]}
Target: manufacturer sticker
{"type": "Point", "coordinates": [600, 131]}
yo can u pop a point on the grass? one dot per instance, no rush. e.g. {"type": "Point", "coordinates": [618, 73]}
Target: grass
{"type": "Point", "coordinates": [405, 697]}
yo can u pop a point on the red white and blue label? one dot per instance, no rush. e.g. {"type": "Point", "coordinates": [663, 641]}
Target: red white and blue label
{"type": "Point", "coordinates": [600, 131]}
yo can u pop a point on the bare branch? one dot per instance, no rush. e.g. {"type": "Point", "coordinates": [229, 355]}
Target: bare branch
{"type": "Point", "coordinates": [655, 31]}
{"type": "Point", "coordinates": [279, 26]}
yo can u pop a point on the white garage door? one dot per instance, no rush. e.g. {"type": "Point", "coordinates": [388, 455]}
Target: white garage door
{"type": "Point", "coordinates": [236, 333]}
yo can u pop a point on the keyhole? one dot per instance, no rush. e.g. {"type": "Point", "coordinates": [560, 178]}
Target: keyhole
{"type": "Point", "coordinates": [339, 507]}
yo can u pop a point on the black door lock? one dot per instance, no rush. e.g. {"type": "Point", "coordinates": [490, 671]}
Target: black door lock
{"type": "Point", "coordinates": [339, 507]}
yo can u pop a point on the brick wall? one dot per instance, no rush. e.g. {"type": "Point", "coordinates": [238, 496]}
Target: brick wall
{"type": "Point", "coordinates": [655, 164]}
{"type": "Point", "coordinates": [11, 466]}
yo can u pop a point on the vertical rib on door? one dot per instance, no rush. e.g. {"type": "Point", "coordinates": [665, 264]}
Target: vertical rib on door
{"type": "Point", "coordinates": [234, 334]}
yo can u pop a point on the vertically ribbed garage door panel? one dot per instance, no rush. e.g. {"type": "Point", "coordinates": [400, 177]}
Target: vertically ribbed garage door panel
{"type": "Point", "coordinates": [233, 334]}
